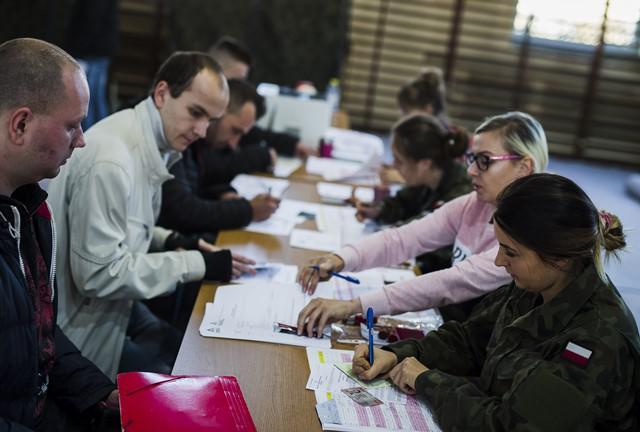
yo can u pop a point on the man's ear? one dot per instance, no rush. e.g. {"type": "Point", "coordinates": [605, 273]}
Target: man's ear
{"type": "Point", "coordinates": [19, 121]}
{"type": "Point", "coordinates": [161, 93]}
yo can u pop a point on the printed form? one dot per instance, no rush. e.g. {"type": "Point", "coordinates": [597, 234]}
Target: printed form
{"type": "Point", "coordinates": [338, 412]}
{"type": "Point", "coordinates": [231, 316]}
{"type": "Point", "coordinates": [289, 214]}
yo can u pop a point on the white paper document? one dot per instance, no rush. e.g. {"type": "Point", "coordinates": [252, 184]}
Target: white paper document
{"type": "Point", "coordinates": [399, 411]}
{"type": "Point", "coordinates": [352, 145]}
{"type": "Point", "coordinates": [333, 169]}
{"type": "Point", "coordinates": [342, 222]}
{"type": "Point", "coordinates": [231, 316]}
{"type": "Point", "coordinates": [271, 272]}
{"type": "Point", "coordinates": [385, 394]}
{"type": "Point", "coordinates": [324, 376]}
{"type": "Point", "coordinates": [285, 166]}
{"type": "Point", "coordinates": [248, 186]}
{"type": "Point", "coordinates": [314, 240]}
{"type": "Point", "coordinates": [289, 214]}
{"type": "Point", "coordinates": [340, 413]}
{"type": "Point", "coordinates": [339, 193]}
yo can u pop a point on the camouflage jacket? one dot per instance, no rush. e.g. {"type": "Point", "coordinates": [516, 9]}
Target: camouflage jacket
{"type": "Point", "coordinates": [506, 368]}
{"type": "Point", "coordinates": [413, 202]}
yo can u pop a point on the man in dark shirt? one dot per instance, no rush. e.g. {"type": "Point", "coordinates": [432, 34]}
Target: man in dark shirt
{"type": "Point", "coordinates": [47, 385]}
{"type": "Point", "coordinates": [253, 153]}
{"type": "Point", "coordinates": [193, 201]}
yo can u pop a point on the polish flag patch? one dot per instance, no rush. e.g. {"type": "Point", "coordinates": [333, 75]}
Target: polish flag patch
{"type": "Point", "coordinates": [576, 354]}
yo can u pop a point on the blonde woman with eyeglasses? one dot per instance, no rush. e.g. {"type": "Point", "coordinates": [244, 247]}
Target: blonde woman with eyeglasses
{"type": "Point", "coordinates": [506, 147]}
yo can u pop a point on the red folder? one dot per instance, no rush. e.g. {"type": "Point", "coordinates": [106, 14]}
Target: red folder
{"type": "Point", "coordinates": [151, 402]}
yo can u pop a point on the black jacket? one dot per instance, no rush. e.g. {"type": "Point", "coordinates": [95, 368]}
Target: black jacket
{"type": "Point", "coordinates": [189, 207]}
{"type": "Point", "coordinates": [252, 155]}
{"type": "Point", "coordinates": [74, 382]}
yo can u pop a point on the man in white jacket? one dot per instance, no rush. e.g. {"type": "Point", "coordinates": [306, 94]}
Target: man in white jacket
{"type": "Point", "coordinates": [107, 200]}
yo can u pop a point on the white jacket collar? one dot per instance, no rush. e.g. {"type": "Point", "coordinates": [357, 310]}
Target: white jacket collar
{"type": "Point", "coordinates": [159, 156]}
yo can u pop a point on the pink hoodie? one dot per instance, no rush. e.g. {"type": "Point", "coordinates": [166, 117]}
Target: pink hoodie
{"type": "Point", "coordinates": [463, 222]}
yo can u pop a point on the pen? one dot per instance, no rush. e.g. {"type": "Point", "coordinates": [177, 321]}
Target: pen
{"type": "Point", "coordinates": [289, 329]}
{"type": "Point", "coordinates": [370, 327]}
{"type": "Point", "coordinates": [340, 275]}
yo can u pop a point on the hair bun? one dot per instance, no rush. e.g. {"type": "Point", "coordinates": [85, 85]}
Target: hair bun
{"type": "Point", "coordinates": [612, 233]}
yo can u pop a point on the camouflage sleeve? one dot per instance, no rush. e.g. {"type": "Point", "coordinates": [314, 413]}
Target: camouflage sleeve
{"type": "Point", "coordinates": [544, 395]}
{"type": "Point", "coordinates": [457, 348]}
{"type": "Point", "coordinates": [404, 205]}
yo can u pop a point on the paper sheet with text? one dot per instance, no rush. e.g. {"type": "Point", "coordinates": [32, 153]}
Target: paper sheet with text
{"type": "Point", "coordinates": [231, 316]}
{"type": "Point", "coordinates": [289, 214]}
{"type": "Point", "coordinates": [271, 272]}
{"type": "Point", "coordinates": [338, 412]}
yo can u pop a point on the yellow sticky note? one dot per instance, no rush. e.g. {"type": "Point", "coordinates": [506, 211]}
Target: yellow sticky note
{"type": "Point", "coordinates": [321, 357]}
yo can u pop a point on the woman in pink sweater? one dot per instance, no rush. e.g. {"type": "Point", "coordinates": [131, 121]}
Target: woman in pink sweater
{"type": "Point", "coordinates": [505, 148]}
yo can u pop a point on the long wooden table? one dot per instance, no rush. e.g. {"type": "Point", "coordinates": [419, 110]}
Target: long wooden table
{"type": "Point", "coordinates": [272, 377]}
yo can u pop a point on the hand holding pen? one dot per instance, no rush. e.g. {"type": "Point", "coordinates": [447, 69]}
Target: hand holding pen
{"type": "Point", "coordinates": [318, 269]}
{"type": "Point", "coordinates": [340, 275]}
{"type": "Point", "coordinates": [263, 206]}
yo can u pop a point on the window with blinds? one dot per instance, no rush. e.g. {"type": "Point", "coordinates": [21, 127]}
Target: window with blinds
{"type": "Point", "coordinates": [588, 101]}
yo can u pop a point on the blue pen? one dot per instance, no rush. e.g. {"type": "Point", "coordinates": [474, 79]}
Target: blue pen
{"type": "Point", "coordinates": [340, 275]}
{"type": "Point", "coordinates": [370, 327]}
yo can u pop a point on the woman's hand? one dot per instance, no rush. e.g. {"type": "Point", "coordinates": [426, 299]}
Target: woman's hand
{"type": "Point", "coordinates": [320, 312]}
{"type": "Point", "coordinates": [318, 269]}
{"type": "Point", "coordinates": [405, 374]}
{"type": "Point", "coordinates": [383, 362]}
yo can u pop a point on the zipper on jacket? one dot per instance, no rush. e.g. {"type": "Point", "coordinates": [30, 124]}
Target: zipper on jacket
{"type": "Point", "coordinates": [54, 246]}
{"type": "Point", "coordinates": [14, 230]}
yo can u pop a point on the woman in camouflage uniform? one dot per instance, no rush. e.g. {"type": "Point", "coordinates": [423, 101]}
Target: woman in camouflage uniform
{"type": "Point", "coordinates": [424, 153]}
{"type": "Point", "coordinates": [556, 350]}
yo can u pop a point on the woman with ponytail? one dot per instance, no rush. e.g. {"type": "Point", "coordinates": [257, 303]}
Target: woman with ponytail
{"type": "Point", "coordinates": [505, 148]}
{"type": "Point", "coordinates": [555, 350]}
{"type": "Point", "coordinates": [424, 94]}
{"type": "Point", "coordinates": [425, 154]}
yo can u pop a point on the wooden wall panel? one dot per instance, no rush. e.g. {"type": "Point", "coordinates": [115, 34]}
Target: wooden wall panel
{"type": "Point", "coordinates": [485, 77]}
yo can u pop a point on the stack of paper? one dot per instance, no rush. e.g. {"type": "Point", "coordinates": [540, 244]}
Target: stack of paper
{"type": "Point", "coordinates": [342, 221]}
{"type": "Point", "coordinates": [338, 193]}
{"type": "Point", "coordinates": [332, 169]}
{"type": "Point", "coordinates": [248, 186]}
{"type": "Point", "coordinates": [232, 316]}
{"type": "Point", "coordinates": [285, 166]}
{"type": "Point", "coordinates": [338, 412]}
{"type": "Point", "coordinates": [353, 145]}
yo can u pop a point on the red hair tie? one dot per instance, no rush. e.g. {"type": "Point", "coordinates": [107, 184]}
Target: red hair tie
{"type": "Point", "coordinates": [606, 217]}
